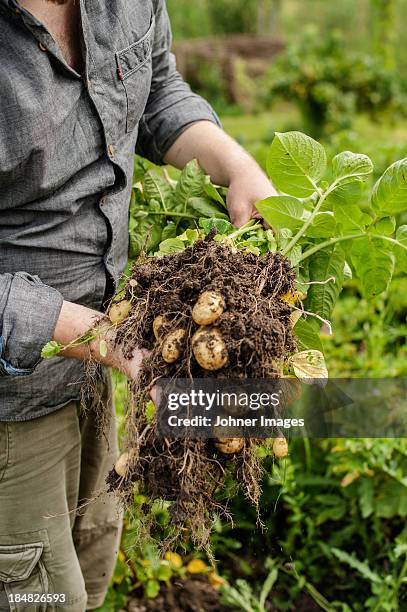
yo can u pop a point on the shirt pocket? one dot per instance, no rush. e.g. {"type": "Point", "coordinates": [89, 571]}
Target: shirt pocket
{"type": "Point", "coordinates": [134, 67]}
{"type": "Point", "coordinates": [24, 577]}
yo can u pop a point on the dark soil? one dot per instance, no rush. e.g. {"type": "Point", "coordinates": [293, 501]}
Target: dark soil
{"type": "Point", "coordinates": [191, 595]}
{"type": "Point", "coordinates": [256, 330]}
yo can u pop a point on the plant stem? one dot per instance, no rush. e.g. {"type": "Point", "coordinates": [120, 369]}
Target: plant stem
{"type": "Point", "coordinates": [243, 229]}
{"type": "Point", "coordinates": [331, 241]}
{"type": "Point", "coordinates": [306, 225]}
{"type": "Point", "coordinates": [174, 214]}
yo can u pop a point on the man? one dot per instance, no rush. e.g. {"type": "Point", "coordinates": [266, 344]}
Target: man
{"type": "Point", "coordinates": [84, 83]}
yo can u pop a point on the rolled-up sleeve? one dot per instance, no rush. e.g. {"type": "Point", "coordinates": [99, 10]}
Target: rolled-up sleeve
{"type": "Point", "coordinates": [171, 106]}
{"type": "Point", "coordinates": [29, 311]}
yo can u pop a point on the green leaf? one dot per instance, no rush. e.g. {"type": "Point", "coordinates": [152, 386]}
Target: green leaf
{"type": "Point", "coordinates": [345, 194]}
{"type": "Point", "coordinates": [323, 226]}
{"type": "Point", "coordinates": [191, 183]}
{"type": "Point", "coordinates": [172, 245]}
{"type": "Point", "coordinates": [350, 218]}
{"type": "Point", "coordinates": [169, 231]}
{"type": "Point", "coordinates": [103, 348]}
{"type": "Point", "coordinates": [213, 193]}
{"type": "Point", "coordinates": [385, 227]}
{"type": "Point", "coordinates": [389, 195]}
{"type": "Point", "coordinates": [326, 263]}
{"type": "Point", "coordinates": [401, 254]}
{"type": "Point", "coordinates": [362, 567]}
{"type": "Point", "coordinates": [151, 589]}
{"type": "Point", "coordinates": [221, 225]}
{"type": "Point", "coordinates": [307, 335]}
{"type": "Point", "coordinates": [164, 572]}
{"type": "Point", "coordinates": [374, 264]}
{"type": "Point", "coordinates": [51, 349]}
{"type": "Point", "coordinates": [348, 164]}
{"type": "Point", "coordinates": [281, 212]}
{"type": "Point", "coordinates": [156, 187]}
{"type": "Point", "coordinates": [190, 236]}
{"type": "Point", "coordinates": [206, 208]}
{"type": "Point", "coordinates": [267, 586]}
{"type": "Point", "coordinates": [296, 163]}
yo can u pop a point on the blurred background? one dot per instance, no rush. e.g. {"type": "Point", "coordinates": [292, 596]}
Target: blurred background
{"type": "Point", "coordinates": [335, 511]}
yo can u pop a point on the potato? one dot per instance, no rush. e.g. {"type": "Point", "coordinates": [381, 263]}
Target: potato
{"type": "Point", "coordinates": [122, 464]}
{"type": "Point", "coordinates": [119, 311]}
{"type": "Point", "coordinates": [173, 346]}
{"type": "Point", "coordinates": [159, 325]}
{"type": "Point", "coordinates": [280, 447]}
{"type": "Point", "coordinates": [208, 308]}
{"type": "Point", "coordinates": [209, 349]}
{"type": "Point", "coordinates": [228, 446]}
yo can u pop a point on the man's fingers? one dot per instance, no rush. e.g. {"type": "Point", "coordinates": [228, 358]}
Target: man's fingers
{"type": "Point", "coordinates": [240, 214]}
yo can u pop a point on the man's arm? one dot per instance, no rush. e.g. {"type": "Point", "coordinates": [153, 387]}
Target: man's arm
{"type": "Point", "coordinates": [32, 314]}
{"type": "Point", "coordinates": [178, 126]}
{"type": "Point", "coordinates": [75, 320]}
{"type": "Point", "coordinates": [227, 163]}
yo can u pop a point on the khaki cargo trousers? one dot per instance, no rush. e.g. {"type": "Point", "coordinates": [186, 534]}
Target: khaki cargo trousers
{"type": "Point", "coordinates": [53, 556]}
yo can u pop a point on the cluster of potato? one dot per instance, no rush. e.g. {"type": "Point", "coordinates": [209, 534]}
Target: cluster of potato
{"type": "Point", "coordinates": [208, 346]}
{"type": "Point", "coordinates": [209, 350]}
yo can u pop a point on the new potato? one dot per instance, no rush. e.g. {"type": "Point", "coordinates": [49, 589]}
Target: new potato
{"type": "Point", "coordinates": [228, 446]}
{"type": "Point", "coordinates": [209, 349]}
{"type": "Point", "coordinates": [119, 311]}
{"type": "Point", "coordinates": [208, 308]}
{"type": "Point", "coordinates": [173, 346]}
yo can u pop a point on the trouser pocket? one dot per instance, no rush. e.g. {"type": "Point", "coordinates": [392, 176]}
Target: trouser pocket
{"type": "Point", "coordinates": [23, 578]}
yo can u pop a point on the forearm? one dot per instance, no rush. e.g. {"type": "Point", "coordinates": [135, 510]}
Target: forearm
{"type": "Point", "coordinates": [75, 321]}
{"type": "Point", "coordinates": [217, 153]}
{"type": "Point", "coordinates": [227, 163]}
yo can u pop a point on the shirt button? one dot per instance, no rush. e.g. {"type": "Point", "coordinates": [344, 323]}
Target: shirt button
{"type": "Point", "coordinates": [110, 150]}
{"type": "Point", "coordinates": [42, 46]}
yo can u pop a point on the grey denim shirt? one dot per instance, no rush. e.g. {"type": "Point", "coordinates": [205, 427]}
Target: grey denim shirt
{"type": "Point", "coordinates": [67, 144]}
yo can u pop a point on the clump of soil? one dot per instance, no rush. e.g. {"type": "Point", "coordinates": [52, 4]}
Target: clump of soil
{"type": "Point", "coordinates": [255, 327]}
{"type": "Point", "coordinates": [194, 594]}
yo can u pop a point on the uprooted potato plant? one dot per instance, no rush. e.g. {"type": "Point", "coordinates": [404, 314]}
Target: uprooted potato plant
{"type": "Point", "coordinates": [210, 300]}
{"type": "Point", "coordinates": [205, 311]}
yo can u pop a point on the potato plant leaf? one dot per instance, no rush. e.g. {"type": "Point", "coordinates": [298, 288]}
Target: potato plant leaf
{"type": "Point", "coordinates": [206, 208]}
{"type": "Point", "coordinates": [213, 193]}
{"type": "Point", "coordinates": [323, 226]}
{"type": "Point", "coordinates": [390, 192]}
{"type": "Point", "coordinates": [345, 193]}
{"type": "Point", "coordinates": [401, 254]}
{"type": "Point", "coordinates": [351, 219]}
{"type": "Point", "coordinates": [191, 183]}
{"type": "Point", "coordinates": [325, 264]}
{"type": "Point", "coordinates": [307, 335]}
{"type": "Point", "coordinates": [296, 163]}
{"type": "Point", "coordinates": [309, 365]}
{"type": "Point", "coordinates": [348, 164]}
{"type": "Point", "coordinates": [373, 261]}
{"type": "Point", "coordinates": [282, 212]}
{"type": "Point", "coordinates": [156, 187]}
{"type": "Point", "coordinates": [51, 349]}
{"type": "Point", "coordinates": [172, 245]}
{"type": "Point", "coordinates": [385, 227]}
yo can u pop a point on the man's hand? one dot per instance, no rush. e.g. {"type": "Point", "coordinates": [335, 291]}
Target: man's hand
{"type": "Point", "coordinates": [246, 188]}
{"type": "Point", "coordinates": [227, 163]}
{"type": "Point", "coordinates": [75, 320]}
